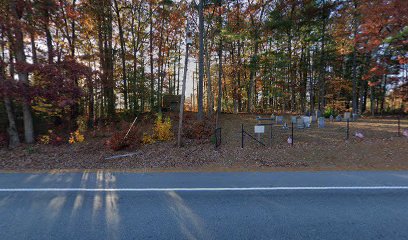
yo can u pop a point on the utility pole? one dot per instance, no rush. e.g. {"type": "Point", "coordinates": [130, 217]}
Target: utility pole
{"type": "Point", "coordinates": [200, 59]}
{"type": "Point", "coordinates": [183, 92]}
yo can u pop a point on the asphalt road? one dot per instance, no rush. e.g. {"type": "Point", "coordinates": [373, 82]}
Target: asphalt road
{"type": "Point", "coordinates": [279, 205]}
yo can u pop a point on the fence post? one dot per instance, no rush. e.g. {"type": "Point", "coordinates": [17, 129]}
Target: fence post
{"type": "Point", "coordinates": [399, 126]}
{"type": "Point", "coordinates": [270, 140]}
{"type": "Point", "coordinates": [348, 129]}
{"type": "Point", "coordinates": [292, 134]}
{"type": "Point", "coordinates": [242, 135]}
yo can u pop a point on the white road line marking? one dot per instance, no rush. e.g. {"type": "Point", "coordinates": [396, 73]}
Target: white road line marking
{"type": "Point", "coordinates": [199, 189]}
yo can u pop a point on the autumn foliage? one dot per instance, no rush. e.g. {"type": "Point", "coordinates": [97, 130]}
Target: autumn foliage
{"type": "Point", "coordinates": [101, 61]}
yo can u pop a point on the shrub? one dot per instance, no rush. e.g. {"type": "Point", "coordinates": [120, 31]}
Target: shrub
{"type": "Point", "coordinates": [329, 111]}
{"type": "Point", "coordinates": [44, 139]}
{"type": "Point", "coordinates": [76, 137]}
{"type": "Point", "coordinates": [162, 130]}
{"type": "Point", "coordinates": [116, 142]}
{"type": "Point", "coordinates": [147, 139]}
{"type": "Point", "coordinates": [50, 138]}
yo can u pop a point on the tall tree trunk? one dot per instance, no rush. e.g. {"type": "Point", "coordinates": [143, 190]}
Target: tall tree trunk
{"type": "Point", "coordinates": [75, 107]}
{"type": "Point", "coordinates": [354, 67]}
{"type": "Point", "coordinates": [123, 54]}
{"type": "Point", "coordinates": [23, 76]}
{"type": "Point", "coordinates": [322, 72]}
{"type": "Point", "coordinates": [160, 68]}
{"type": "Point", "coordinates": [210, 96]}
{"type": "Point", "coordinates": [151, 56]}
{"type": "Point", "coordinates": [14, 139]}
{"type": "Point", "coordinates": [33, 48]}
{"type": "Point", "coordinates": [254, 63]}
{"type": "Point", "coordinates": [312, 82]}
{"type": "Point", "coordinates": [372, 99]}
{"type": "Point", "coordinates": [290, 73]}
{"type": "Point", "coordinates": [73, 29]}
{"type": "Point", "coordinates": [239, 97]}
{"type": "Point", "coordinates": [220, 71]}
{"type": "Point", "coordinates": [48, 36]}
{"type": "Point", "coordinates": [183, 95]}
{"type": "Point", "coordinates": [91, 114]}
{"type": "Point", "coordinates": [383, 93]}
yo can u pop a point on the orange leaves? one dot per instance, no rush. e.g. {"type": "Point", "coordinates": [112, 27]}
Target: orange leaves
{"type": "Point", "coordinates": [381, 19]}
{"type": "Point", "coordinates": [377, 70]}
{"type": "Point", "coordinates": [402, 60]}
{"type": "Point", "coordinates": [373, 84]}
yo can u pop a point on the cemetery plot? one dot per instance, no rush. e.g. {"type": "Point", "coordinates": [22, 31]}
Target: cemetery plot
{"type": "Point", "coordinates": [319, 146]}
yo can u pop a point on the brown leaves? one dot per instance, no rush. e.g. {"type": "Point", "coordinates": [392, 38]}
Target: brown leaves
{"type": "Point", "coordinates": [118, 141]}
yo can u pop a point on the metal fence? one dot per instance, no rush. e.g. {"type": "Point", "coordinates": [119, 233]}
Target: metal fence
{"type": "Point", "coordinates": [344, 131]}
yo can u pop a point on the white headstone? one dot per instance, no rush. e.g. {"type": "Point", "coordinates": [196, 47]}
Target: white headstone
{"type": "Point", "coordinates": [320, 122]}
{"type": "Point", "coordinates": [306, 121]}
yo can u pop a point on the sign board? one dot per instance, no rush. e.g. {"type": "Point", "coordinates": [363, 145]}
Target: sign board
{"type": "Point", "coordinates": [347, 115]}
{"type": "Point", "coordinates": [259, 129]}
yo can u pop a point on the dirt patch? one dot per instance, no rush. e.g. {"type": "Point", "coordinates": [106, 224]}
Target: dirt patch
{"type": "Point", "coordinates": [313, 149]}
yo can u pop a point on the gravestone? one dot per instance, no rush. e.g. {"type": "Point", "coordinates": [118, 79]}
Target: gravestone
{"type": "Point", "coordinates": [331, 118]}
{"type": "Point", "coordinates": [355, 116]}
{"type": "Point", "coordinates": [306, 121]}
{"type": "Point", "coordinates": [285, 126]}
{"type": "Point", "coordinates": [313, 118]}
{"type": "Point", "coordinates": [279, 120]}
{"type": "Point", "coordinates": [320, 123]}
{"type": "Point", "coordinates": [293, 119]}
{"type": "Point", "coordinates": [405, 132]}
{"type": "Point", "coordinates": [299, 123]}
{"type": "Point", "coordinates": [347, 116]}
{"type": "Point", "coordinates": [273, 117]}
{"type": "Point", "coordinates": [318, 113]}
{"type": "Point", "coordinates": [339, 118]}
